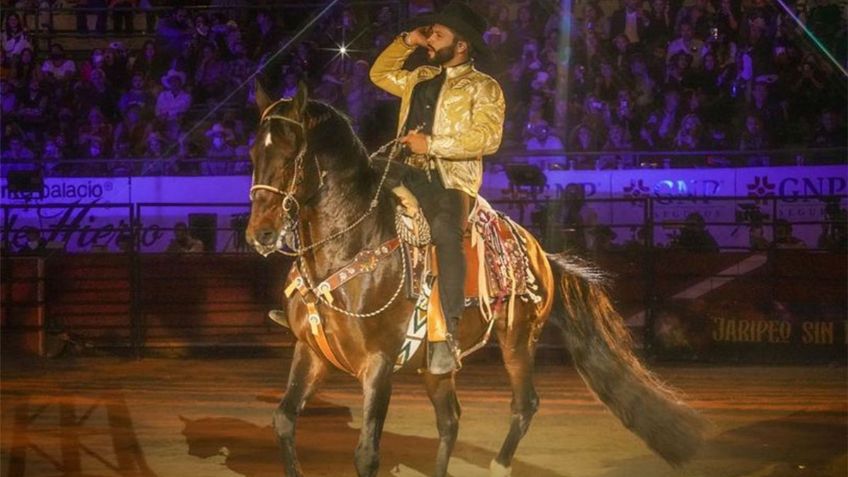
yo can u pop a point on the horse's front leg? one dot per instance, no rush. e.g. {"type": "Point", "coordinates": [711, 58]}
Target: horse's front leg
{"type": "Point", "coordinates": [307, 371]}
{"type": "Point", "coordinates": [377, 391]}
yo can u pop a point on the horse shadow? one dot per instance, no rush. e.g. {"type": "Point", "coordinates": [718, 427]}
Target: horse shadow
{"type": "Point", "coordinates": [325, 445]}
{"type": "Point", "coordinates": [799, 444]}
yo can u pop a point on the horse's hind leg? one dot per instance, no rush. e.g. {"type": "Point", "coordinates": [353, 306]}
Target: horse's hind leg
{"type": "Point", "coordinates": [518, 349]}
{"type": "Point", "coordinates": [307, 371]}
{"type": "Point", "coordinates": [442, 392]}
{"type": "Point", "coordinates": [377, 391]}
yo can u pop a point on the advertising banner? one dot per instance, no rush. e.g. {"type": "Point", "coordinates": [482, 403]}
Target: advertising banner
{"type": "Point", "coordinates": [90, 213]}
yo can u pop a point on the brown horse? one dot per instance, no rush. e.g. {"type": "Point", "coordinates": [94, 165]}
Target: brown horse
{"type": "Point", "coordinates": [313, 181]}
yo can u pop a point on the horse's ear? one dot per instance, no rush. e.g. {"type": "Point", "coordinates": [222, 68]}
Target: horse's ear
{"type": "Point", "coordinates": [301, 98]}
{"type": "Point", "coordinates": [262, 98]}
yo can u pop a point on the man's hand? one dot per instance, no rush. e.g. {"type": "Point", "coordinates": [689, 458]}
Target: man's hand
{"type": "Point", "coordinates": [418, 37]}
{"type": "Point", "coordinates": [416, 142]}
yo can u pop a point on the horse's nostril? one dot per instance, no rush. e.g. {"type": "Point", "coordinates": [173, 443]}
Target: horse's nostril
{"type": "Point", "coordinates": [266, 237]}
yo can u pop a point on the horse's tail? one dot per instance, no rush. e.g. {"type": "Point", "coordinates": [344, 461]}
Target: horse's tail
{"type": "Point", "coordinates": [601, 349]}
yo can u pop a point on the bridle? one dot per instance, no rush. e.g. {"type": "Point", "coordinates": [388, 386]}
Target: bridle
{"type": "Point", "coordinates": [291, 206]}
{"type": "Point", "coordinates": [289, 201]}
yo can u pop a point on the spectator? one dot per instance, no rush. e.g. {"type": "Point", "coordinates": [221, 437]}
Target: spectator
{"type": "Point", "coordinates": [160, 159]}
{"type": "Point", "coordinates": [607, 83]}
{"type": "Point", "coordinates": [290, 83]}
{"type": "Point", "coordinates": [211, 77]}
{"type": "Point", "coordinates": [96, 130]}
{"type": "Point", "coordinates": [757, 241]}
{"type": "Point", "coordinates": [688, 137]}
{"type": "Point", "coordinates": [183, 242]}
{"type": "Point", "coordinates": [829, 133]}
{"type": "Point", "coordinates": [660, 24]}
{"type": "Point", "coordinates": [148, 62]}
{"type": "Point", "coordinates": [581, 83]}
{"type": "Point", "coordinates": [203, 34]}
{"type": "Point", "coordinates": [15, 39]}
{"type": "Point", "coordinates": [94, 61]}
{"type": "Point", "coordinates": [58, 67]}
{"type": "Point", "coordinates": [97, 93]}
{"type": "Point", "coordinates": [137, 96]}
{"type": "Point", "coordinates": [582, 139]}
{"type": "Point", "coordinates": [130, 134]}
{"type": "Point", "coordinates": [542, 140]}
{"type": "Point", "coordinates": [593, 22]}
{"type": "Point", "coordinates": [679, 74]}
{"type": "Point", "coordinates": [617, 142]}
{"type": "Point", "coordinates": [172, 32]}
{"type": "Point", "coordinates": [621, 52]}
{"type": "Point", "coordinates": [630, 21]}
{"type": "Point", "coordinates": [696, 16]}
{"type": "Point", "coordinates": [770, 112]}
{"type": "Point", "coordinates": [359, 94]}
{"type": "Point", "coordinates": [115, 67]}
{"type": "Point", "coordinates": [644, 86]}
{"type": "Point", "coordinates": [754, 138]}
{"type": "Point", "coordinates": [31, 109]}
{"type": "Point", "coordinates": [265, 37]}
{"type": "Point", "coordinates": [96, 154]}
{"type": "Point", "coordinates": [669, 117]}
{"type": "Point", "coordinates": [52, 155]}
{"type": "Point", "coordinates": [174, 101]}
{"type": "Point", "coordinates": [725, 19]}
{"type": "Point", "coordinates": [241, 67]}
{"type": "Point", "coordinates": [35, 244]}
{"type": "Point", "coordinates": [834, 234]}
{"type": "Point", "coordinates": [25, 69]}
{"type": "Point", "coordinates": [219, 154]}
{"type": "Point", "coordinates": [687, 43]}
{"type": "Point", "coordinates": [784, 238]}
{"type": "Point", "coordinates": [808, 90]}
{"type": "Point", "coordinates": [18, 157]}
{"type": "Point", "coordinates": [694, 236]}
{"type": "Point", "coordinates": [8, 100]}
{"type": "Point", "coordinates": [649, 136]}
{"type": "Point", "coordinates": [624, 115]}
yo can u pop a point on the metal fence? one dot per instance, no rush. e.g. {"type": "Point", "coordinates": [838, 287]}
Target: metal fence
{"type": "Point", "coordinates": [85, 286]}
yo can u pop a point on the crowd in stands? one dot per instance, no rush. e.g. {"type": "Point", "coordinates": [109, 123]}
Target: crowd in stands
{"type": "Point", "coordinates": [659, 75]}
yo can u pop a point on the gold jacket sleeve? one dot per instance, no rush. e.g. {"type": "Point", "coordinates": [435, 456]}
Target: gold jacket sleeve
{"type": "Point", "coordinates": [387, 71]}
{"type": "Point", "coordinates": [483, 137]}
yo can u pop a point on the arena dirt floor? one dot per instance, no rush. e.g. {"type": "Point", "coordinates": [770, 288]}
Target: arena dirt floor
{"type": "Point", "coordinates": [189, 417]}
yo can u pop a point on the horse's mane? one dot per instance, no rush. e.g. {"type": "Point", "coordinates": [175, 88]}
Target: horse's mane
{"type": "Point", "coordinates": [331, 135]}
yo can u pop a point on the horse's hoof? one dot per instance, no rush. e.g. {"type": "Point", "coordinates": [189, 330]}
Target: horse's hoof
{"type": "Point", "coordinates": [497, 470]}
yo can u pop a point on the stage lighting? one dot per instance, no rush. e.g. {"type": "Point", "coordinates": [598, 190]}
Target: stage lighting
{"type": "Point", "coordinates": [342, 49]}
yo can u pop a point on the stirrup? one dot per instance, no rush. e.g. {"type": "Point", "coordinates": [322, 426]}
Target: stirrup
{"type": "Point", "coordinates": [455, 350]}
{"type": "Point", "coordinates": [279, 317]}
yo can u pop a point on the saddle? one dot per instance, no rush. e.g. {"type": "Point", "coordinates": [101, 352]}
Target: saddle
{"type": "Point", "coordinates": [498, 272]}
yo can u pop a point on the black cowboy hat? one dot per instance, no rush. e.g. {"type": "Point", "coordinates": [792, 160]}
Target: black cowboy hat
{"type": "Point", "coordinates": [460, 18]}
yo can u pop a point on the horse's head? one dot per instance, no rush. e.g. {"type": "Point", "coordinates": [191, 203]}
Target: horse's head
{"type": "Point", "coordinates": [280, 180]}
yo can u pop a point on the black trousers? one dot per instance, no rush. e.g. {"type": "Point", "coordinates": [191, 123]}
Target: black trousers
{"type": "Point", "coordinates": [446, 211]}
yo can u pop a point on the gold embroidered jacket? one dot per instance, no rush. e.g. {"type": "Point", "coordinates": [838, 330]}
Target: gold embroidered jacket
{"type": "Point", "coordinates": [468, 122]}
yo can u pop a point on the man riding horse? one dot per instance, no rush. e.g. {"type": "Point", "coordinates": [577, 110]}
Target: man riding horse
{"type": "Point", "coordinates": [450, 116]}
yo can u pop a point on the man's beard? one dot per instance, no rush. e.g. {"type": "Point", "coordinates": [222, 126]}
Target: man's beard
{"type": "Point", "coordinates": [442, 55]}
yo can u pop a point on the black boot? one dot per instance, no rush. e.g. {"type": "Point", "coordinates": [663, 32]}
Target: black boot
{"type": "Point", "coordinates": [445, 355]}
{"type": "Point", "coordinates": [452, 339]}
